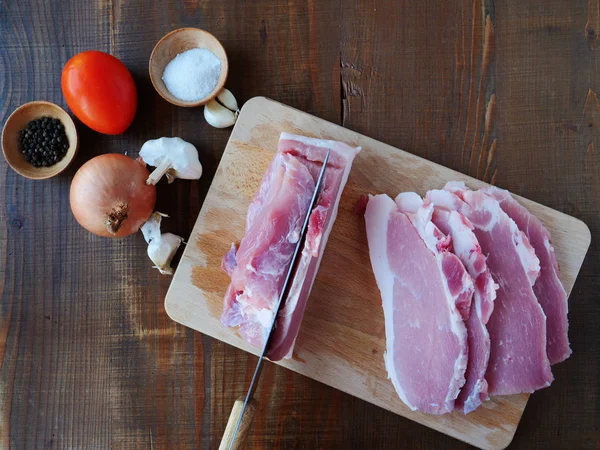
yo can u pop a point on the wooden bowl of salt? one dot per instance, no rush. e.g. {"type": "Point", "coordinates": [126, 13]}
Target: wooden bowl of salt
{"type": "Point", "coordinates": [188, 67]}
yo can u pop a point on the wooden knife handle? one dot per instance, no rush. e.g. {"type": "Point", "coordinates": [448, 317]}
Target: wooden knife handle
{"type": "Point", "coordinates": [244, 425]}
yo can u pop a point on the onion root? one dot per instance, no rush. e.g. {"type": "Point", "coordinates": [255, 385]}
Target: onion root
{"type": "Point", "coordinates": [116, 217]}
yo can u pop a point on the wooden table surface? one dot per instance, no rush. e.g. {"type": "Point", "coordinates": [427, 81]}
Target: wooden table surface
{"type": "Point", "coordinates": [504, 91]}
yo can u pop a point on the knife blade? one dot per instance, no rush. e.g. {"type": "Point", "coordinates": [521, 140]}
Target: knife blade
{"type": "Point", "coordinates": [284, 291]}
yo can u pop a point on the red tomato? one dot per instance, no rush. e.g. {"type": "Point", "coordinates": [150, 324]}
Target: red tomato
{"type": "Point", "coordinates": [100, 91]}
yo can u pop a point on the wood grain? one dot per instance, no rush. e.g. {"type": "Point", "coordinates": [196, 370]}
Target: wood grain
{"type": "Point", "coordinates": [341, 341]}
{"type": "Point", "coordinates": [89, 358]}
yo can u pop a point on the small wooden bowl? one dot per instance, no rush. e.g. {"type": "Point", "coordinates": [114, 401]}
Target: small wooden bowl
{"type": "Point", "coordinates": [179, 41]}
{"type": "Point", "coordinates": [18, 120]}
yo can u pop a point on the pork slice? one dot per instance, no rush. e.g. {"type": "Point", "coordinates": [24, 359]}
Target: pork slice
{"type": "Point", "coordinates": [517, 327]}
{"type": "Point", "coordinates": [426, 340]}
{"type": "Point", "coordinates": [548, 288]}
{"type": "Point", "coordinates": [459, 281]}
{"type": "Point", "coordinates": [467, 248]}
{"type": "Point", "coordinates": [273, 226]}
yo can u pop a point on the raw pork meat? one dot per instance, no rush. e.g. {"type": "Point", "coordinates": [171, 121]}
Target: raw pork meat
{"type": "Point", "coordinates": [466, 247]}
{"type": "Point", "coordinates": [518, 360]}
{"type": "Point", "coordinates": [421, 285]}
{"type": "Point", "coordinates": [273, 225]}
{"type": "Point", "coordinates": [547, 288]}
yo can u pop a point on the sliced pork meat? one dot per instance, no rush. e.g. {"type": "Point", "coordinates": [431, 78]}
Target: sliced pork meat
{"type": "Point", "coordinates": [517, 327]}
{"type": "Point", "coordinates": [273, 226]}
{"type": "Point", "coordinates": [229, 262]}
{"type": "Point", "coordinates": [421, 284]}
{"type": "Point", "coordinates": [259, 265]}
{"type": "Point", "coordinates": [548, 289]}
{"type": "Point", "coordinates": [420, 214]}
{"type": "Point", "coordinates": [466, 247]}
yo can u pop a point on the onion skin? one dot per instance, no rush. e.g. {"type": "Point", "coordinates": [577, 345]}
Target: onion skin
{"type": "Point", "coordinates": [109, 195]}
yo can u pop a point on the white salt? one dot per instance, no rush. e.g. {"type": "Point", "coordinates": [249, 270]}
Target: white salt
{"type": "Point", "coordinates": [193, 74]}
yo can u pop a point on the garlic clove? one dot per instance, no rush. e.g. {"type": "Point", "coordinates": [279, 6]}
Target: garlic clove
{"type": "Point", "coordinates": [162, 250]}
{"type": "Point", "coordinates": [218, 116]}
{"type": "Point", "coordinates": [228, 100]}
{"type": "Point", "coordinates": [151, 229]}
{"type": "Point", "coordinates": [161, 247]}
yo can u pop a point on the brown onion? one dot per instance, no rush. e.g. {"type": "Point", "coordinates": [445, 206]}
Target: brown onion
{"type": "Point", "coordinates": [110, 197]}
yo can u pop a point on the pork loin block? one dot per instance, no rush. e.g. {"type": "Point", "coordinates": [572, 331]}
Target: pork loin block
{"type": "Point", "coordinates": [466, 247]}
{"type": "Point", "coordinates": [422, 286]}
{"type": "Point", "coordinates": [273, 225]}
{"type": "Point", "coordinates": [517, 327]}
{"type": "Point", "coordinates": [548, 289]}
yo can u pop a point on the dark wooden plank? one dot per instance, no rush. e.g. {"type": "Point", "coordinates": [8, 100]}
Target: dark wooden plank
{"type": "Point", "coordinates": [54, 379]}
{"type": "Point", "coordinates": [420, 76]}
{"type": "Point", "coordinates": [89, 358]}
{"type": "Point", "coordinates": [549, 122]}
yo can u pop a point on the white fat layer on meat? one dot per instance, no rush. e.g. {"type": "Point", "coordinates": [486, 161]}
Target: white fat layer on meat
{"type": "Point", "coordinates": [420, 214]}
{"type": "Point", "coordinates": [472, 402]}
{"type": "Point", "coordinates": [527, 256]}
{"type": "Point", "coordinates": [431, 235]}
{"type": "Point", "coordinates": [293, 236]}
{"type": "Point", "coordinates": [550, 249]}
{"type": "Point", "coordinates": [455, 186]}
{"type": "Point", "coordinates": [265, 317]}
{"type": "Point", "coordinates": [459, 330]}
{"type": "Point", "coordinates": [251, 312]}
{"type": "Point", "coordinates": [444, 199]}
{"type": "Point", "coordinates": [458, 204]}
{"type": "Point", "coordinates": [381, 268]}
{"type": "Point", "coordinates": [525, 251]}
{"type": "Point", "coordinates": [409, 201]}
{"type": "Point", "coordinates": [244, 295]}
{"type": "Point", "coordinates": [465, 246]}
{"type": "Point", "coordinates": [529, 260]}
{"type": "Point", "coordinates": [324, 143]}
{"type": "Point", "coordinates": [492, 207]}
{"type": "Point", "coordinates": [463, 241]}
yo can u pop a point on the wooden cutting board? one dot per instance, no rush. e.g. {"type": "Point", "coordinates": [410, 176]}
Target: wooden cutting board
{"type": "Point", "coordinates": [342, 340]}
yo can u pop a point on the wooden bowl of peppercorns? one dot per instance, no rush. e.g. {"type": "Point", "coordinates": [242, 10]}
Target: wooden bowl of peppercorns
{"type": "Point", "coordinates": [39, 140]}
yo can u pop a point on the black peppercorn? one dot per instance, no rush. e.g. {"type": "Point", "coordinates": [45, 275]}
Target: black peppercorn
{"type": "Point", "coordinates": [44, 142]}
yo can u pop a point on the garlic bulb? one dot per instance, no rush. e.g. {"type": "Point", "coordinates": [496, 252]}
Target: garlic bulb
{"type": "Point", "coordinates": [161, 247]}
{"type": "Point", "coordinates": [218, 116]}
{"type": "Point", "coordinates": [227, 99]}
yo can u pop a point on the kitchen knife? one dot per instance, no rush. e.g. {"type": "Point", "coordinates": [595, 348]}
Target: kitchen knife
{"type": "Point", "coordinates": [244, 408]}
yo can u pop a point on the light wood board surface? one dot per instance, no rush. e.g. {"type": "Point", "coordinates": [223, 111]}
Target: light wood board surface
{"type": "Point", "coordinates": [341, 340]}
